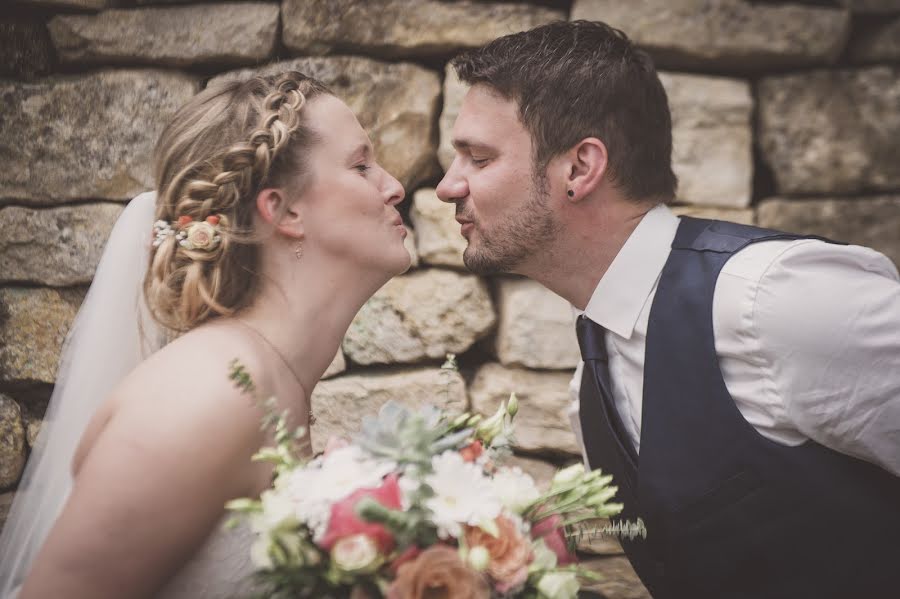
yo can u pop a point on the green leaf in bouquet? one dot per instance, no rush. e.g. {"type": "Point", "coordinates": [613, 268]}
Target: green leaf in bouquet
{"type": "Point", "coordinates": [409, 527]}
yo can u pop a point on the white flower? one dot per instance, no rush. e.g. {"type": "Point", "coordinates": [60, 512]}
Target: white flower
{"type": "Point", "coordinates": [313, 489]}
{"type": "Point", "coordinates": [544, 557]}
{"type": "Point", "coordinates": [356, 553]}
{"type": "Point", "coordinates": [463, 495]}
{"type": "Point", "coordinates": [515, 489]}
{"type": "Point", "coordinates": [558, 585]}
{"type": "Point", "coordinates": [567, 476]}
{"type": "Point", "coordinates": [277, 510]}
{"type": "Point", "coordinates": [259, 553]}
{"type": "Point", "coordinates": [479, 558]}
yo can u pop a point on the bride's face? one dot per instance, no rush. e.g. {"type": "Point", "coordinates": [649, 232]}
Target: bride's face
{"type": "Point", "coordinates": [350, 207]}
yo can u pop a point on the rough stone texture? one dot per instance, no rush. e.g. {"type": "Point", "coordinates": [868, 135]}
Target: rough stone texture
{"type": "Point", "coordinates": [337, 366]}
{"type": "Point", "coordinates": [542, 424]}
{"type": "Point", "coordinates": [12, 442]}
{"type": "Point", "coordinates": [85, 136]}
{"type": "Point", "coordinates": [725, 34]}
{"type": "Point", "coordinates": [827, 132]}
{"type": "Point", "coordinates": [33, 325]}
{"type": "Point", "coordinates": [32, 428]}
{"type": "Point", "coordinates": [6, 500]}
{"type": "Point", "coordinates": [871, 6]}
{"type": "Point", "coordinates": [536, 327]}
{"type": "Point", "coordinates": [541, 471]}
{"type": "Point", "coordinates": [619, 579]}
{"type": "Point", "coordinates": [395, 103]}
{"type": "Point", "coordinates": [421, 315]}
{"type": "Point", "coordinates": [869, 221]}
{"type": "Point", "coordinates": [410, 243]}
{"type": "Point", "coordinates": [438, 240]}
{"type": "Point", "coordinates": [341, 403]}
{"type": "Point", "coordinates": [25, 50]}
{"type": "Point", "coordinates": [454, 92]}
{"type": "Point", "coordinates": [744, 216]}
{"type": "Point", "coordinates": [77, 4]}
{"type": "Point", "coordinates": [218, 34]}
{"type": "Point", "coordinates": [57, 246]}
{"type": "Point", "coordinates": [147, 2]}
{"type": "Point", "coordinates": [403, 28]}
{"type": "Point", "coordinates": [879, 42]}
{"type": "Point", "coordinates": [711, 138]}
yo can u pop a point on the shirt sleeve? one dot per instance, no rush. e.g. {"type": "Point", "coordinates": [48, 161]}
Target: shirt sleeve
{"type": "Point", "coordinates": [828, 321]}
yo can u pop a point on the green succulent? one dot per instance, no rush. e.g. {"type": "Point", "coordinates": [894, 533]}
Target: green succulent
{"type": "Point", "coordinates": [410, 437]}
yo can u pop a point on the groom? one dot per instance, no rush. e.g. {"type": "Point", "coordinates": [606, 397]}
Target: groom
{"type": "Point", "coordinates": [742, 385]}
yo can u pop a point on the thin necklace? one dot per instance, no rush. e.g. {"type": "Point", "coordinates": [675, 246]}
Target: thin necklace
{"type": "Point", "coordinates": [312, 417]}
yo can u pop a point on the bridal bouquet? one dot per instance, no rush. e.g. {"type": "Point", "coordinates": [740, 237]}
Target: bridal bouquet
{"type": "Point", "coordinates": [419, 505]}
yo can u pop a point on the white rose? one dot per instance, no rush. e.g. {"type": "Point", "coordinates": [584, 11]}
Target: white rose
{"type": "Point", "coordinates": [356, 553]}
{"type": "Point", "coordinates": [558, 585]}
{"type": "Point", "coordinates": [515, 489]}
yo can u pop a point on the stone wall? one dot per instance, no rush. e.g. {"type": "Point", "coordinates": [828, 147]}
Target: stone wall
{"type": "Point", "coordinates": [785, 114]}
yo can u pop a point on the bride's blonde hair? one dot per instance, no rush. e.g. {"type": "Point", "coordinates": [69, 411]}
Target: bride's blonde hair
{"type": "Point", "coordinates": [220, 149]}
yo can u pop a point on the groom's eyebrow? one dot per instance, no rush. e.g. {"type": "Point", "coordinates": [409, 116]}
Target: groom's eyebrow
{"type": "Point", "coordinates": [468, 144]}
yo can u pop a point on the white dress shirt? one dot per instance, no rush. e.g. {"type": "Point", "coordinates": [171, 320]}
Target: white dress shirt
{"type": "Point", "coordinates": [807, 334]}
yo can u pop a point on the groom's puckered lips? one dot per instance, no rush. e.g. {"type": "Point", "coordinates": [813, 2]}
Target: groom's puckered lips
{"type": "Point", "coordinates": [460, 217]}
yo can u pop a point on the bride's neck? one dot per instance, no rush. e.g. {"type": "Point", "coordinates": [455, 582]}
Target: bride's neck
{"type": "Point", "coordinates": [304, 311]}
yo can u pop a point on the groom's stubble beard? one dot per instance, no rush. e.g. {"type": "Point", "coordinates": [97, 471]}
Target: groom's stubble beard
{"type": "Point", "coordinates": [509, 243]}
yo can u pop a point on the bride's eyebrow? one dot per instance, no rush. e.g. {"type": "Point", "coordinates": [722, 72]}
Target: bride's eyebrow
{"type": "Point", "coordinates": [361, 152]}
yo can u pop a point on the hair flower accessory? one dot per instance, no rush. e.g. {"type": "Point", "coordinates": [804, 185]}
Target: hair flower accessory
{"type": "Point", "coordinates": [161, 230]}
{"type": "Point", "coordinates": [198, 235]}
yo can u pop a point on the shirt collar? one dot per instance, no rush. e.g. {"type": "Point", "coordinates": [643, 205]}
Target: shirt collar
{"type": "Point", "coordinates": [620, 295]}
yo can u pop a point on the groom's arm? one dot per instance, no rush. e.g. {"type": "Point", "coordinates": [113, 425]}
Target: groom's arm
{"type": "Point", "coordinates": [827, 321]}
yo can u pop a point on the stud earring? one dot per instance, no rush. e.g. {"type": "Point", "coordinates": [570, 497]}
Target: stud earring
{"type": "Point", "coordinates": [298, 250]}
{"type": "Point", "coordinates": [570, 193]}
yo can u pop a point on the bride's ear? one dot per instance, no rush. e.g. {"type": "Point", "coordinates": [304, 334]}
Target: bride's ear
{"type": "Point", "coordinates": [278, 211]}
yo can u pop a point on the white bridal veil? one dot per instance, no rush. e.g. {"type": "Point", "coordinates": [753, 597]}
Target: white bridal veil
{"type": "Point", "coordinates": [110, 336]}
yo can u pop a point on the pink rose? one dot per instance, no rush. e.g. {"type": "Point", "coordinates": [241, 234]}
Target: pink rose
{"type": "Point", "coordinates": [509, 553]}
{"type": "Point", "coordinates": [344, 522]}
{"type": "Point", "coordinates": [438, 573]}
{"type": "Point", "coordinates": [550, 529]}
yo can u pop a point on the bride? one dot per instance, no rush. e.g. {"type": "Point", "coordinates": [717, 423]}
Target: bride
{"type": "Point", "coordinates": [274, 225]}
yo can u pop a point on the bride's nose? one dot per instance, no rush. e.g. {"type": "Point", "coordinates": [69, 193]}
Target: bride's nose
{"type": "Point", "coordinates": [392, 189]}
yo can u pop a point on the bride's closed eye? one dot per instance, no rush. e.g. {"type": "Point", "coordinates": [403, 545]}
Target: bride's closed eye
{"type": "Point", "coordinates": [362, 168]}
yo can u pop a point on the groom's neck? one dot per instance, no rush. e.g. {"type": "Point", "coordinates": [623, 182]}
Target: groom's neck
{"type": "Point", "coordinates": [588, 242]}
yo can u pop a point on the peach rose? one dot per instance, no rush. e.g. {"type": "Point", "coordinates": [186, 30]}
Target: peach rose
{"type": "Point", "coordinates": [510, 553]}
{"type": "Point", "coordinates": [438, 573]}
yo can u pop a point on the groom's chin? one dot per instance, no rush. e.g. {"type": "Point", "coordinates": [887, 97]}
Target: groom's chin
{"type": "Point", "coordinates": [481, 265]}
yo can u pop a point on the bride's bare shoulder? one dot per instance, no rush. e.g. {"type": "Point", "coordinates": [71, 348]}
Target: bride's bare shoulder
{"type": "Point", "coordinates": [187, 385]}
{"type": "Point", "coordinates": [201, 361]}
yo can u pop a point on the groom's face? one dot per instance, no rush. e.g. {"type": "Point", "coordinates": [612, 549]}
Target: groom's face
{"type": "Point", "coordinates": [502, 207]}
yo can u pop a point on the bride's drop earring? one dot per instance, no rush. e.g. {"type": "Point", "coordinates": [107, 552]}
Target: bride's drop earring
{"type": "Point", "coordinates": [298, 250]}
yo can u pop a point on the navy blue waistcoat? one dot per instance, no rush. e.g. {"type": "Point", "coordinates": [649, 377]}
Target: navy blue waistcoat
{"type": "Point", "coordinates": [729, 513]}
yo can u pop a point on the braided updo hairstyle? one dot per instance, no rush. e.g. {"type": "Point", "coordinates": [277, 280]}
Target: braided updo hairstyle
{"type": "Point", "coordinates": [220, 149]}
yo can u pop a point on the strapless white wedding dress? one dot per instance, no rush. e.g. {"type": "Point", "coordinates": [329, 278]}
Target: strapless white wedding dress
{"type": "Point", "coordinates": [220, 570]}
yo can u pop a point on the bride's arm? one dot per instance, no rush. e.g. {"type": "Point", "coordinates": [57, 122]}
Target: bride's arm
{"type": "Point", "coordinates": [150, 489]}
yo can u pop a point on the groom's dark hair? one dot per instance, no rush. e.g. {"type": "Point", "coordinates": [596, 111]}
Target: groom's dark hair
{"type": "Point", "coordinates": [581, 79]}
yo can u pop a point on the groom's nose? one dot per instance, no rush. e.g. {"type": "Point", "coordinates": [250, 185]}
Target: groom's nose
{"type": "Point", "coordinates": [453, 187]}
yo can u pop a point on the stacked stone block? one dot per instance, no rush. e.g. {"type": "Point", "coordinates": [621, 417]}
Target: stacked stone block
{"type": "Point", "coordinates": [785, 114]}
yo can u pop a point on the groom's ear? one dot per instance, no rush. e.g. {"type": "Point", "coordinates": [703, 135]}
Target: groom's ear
{"type": "Point", "coordinates": [279, 212]}
{"type": "Point", "coordinates": [588, 163]}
